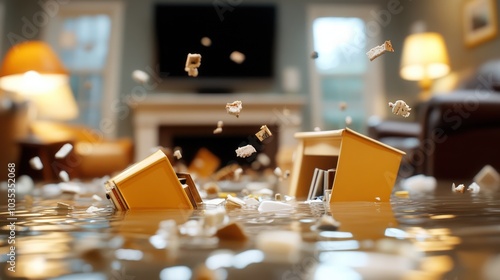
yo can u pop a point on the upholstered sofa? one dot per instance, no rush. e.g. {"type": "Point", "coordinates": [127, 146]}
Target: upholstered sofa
{"type": "Point", "coordinates": [455, 134]}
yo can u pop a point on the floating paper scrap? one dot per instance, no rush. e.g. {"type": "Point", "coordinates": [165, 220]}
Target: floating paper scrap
{"type": "Point", "coordinates": [457, 189]}
{"type": "Point", "coordinates": [96, 197]}
{"type": "Point", "coordinates": [237, 57]}
{"type": "Point", "coordinates": [245, 151]}
{"type": "Point", "coordinates": [219, 127]}
{"type": "Point", "coordinates": [234, 108]}
{"type": "Point", "coordinates": [273, 206]}
{"type": "Point", "coordinates": [193, 61]}
{"type": "Point", "coordinates": [234, 201]}
{"type": "Point", "coordinates": [348, 120]}
{"type": "Point", "coordinates": [400, 108]}
{"type": "Point", "coordinates": [62, 205]}
{"type": "Point", "coordinates": [64, 150]}
{"type": "Point", "coordinates": [473, 188]}
{"type": "Point", "coordinates": [140, 76]}
{"type": "Point", "coordinates": [237, 173]}
{"type": "Point", "coordinates": [380, 50]}
{"type": "Point", "coordinates": [279, 245]}
{"type": "Point", "coordinates": [93, 209]}
{"type": "Point", "coordinates": [69, 187]}
{"type": "Point", "coordinates": [64, 176]}
{"type": "Point", "coordinates": [36, 163]}
{"type": "Point", "coordinates": [263, 133]}
{"type": "Point", "coordinates": [488, 178]}
{"type": "Point", "coordinates": [177, 154]}
{"type": "Point", "coordinates": [419, 183]}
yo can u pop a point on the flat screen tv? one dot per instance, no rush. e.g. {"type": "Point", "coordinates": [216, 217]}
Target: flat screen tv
{"type": "Point", "coordinates": [237, 45]}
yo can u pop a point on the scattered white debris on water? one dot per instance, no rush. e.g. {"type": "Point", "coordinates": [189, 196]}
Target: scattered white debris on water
{"type": "Point", "coordinates": [274, 206]}
{"type": "Point", "coordinates": [419, 184]}
{"type": "Point", "coordinates": [473, 188]}
{"type": "Point", "coordinates": [457, 189]}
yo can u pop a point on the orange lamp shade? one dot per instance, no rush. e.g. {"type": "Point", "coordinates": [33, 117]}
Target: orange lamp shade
{"type": "Point", "coordinates": [30, 57]}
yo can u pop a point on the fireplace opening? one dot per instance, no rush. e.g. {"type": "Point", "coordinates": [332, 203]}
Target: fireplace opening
{"type": "Point", "coordinates": [191, 138]}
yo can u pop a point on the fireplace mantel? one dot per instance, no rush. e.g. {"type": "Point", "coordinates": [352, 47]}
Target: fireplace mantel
{"type": "Point", "coordinates": [187, 109]}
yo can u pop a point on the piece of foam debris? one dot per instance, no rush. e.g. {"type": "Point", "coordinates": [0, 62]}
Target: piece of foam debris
{"type": "Point", "coordinates": [279, 245]}
{"type": "Point", "coordinates": [69, 188]}
{"type": "Point", "coordinates": [263, 133]}
{"type": "Point", "coordinates": [457, 189]}
{"type": "Point", "coordinates": [237, 57]}
{"type": "Point", "coordinates": [206, 41]}
{"type": "Point", "coordinates": [348, 120]}
{"type": "Point", "coordinates": [234, 201]}
{"type": "Point", "coordinates": [214, 217]}
{"type": "Point", "coordinates": [65, 206]}
{"type": "Point", "coordinates": [277, 171]}
{"type": "Point", "coordinates": [63, 175]}
{"type": "Point", "coordinates": [380, 50]}
{"type": "Point", "coordinates": [219, 127]}
{"type": "Point", "coordinates": [473, 188]}
{"type": "Point", "coordinates": [234, 108]}
{"type": "Point", "coordinates": [193, 61]}
{"type": "Point", "coordinates": [93, 209]}
{"type": "Point", "coordinates": [36, 163]}
{"type": "Point", "coordinates": [245, 151]}
{"type": "Point", "coordinates": [237, 173]}
{"type": "Point", "coordinates": [488, 178]}
{"type": "Point", "coordinates": [342, 106]}
{"type": "Point", "coordinates": [274, 206]}
{"type": "Point", "coordinates": [251, 201]}
{"type": "Point", "coordinates": [232, 231]}
{"type": "Point", "coordinates": [96, 197]}
{"type": "Point", "coordinates": [400, 108]}
{"type": "Point", "coordinates": [140, 77]}
{"type": "Point", "coordinates": [64, 150]}
{"type": "Point", "coordinates": [419, 183]}
{"type": "Point", "coordinates": [177, 154]}
{"type": "Point", "coordinates": [263, 159]}
{"type": "Point", "coordinates": [327, 223]}
{"type": "Point", "coordinates": [402, 194]}
{"type": "Point", "coordinates": [314, 55]}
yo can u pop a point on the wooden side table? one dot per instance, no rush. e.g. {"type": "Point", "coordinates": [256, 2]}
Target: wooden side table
{"type": "Point", "coordinates": [46, 150]}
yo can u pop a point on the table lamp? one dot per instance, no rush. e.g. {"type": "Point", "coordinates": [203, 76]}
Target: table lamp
{"type": "Point", "coordinates": [33, 71]}
{"type": "Point", "coordinates": [424, 58]}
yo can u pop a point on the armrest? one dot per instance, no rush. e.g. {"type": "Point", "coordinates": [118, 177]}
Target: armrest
{"type": "Point", "coordinates": [393, 129]}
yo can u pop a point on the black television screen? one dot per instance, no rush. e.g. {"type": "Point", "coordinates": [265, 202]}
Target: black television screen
{"type": "Point", "coordinates": [215, 33]}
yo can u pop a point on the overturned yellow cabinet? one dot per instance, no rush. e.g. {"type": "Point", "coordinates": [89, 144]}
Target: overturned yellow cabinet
{"type": "Point", "coordinates": [366, 169]}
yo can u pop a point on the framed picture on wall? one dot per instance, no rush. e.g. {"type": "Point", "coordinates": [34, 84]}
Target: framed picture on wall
{"type": "Point", "coordinates": [480, 21]}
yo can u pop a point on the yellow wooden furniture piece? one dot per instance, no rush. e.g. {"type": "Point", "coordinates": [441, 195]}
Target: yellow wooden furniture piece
{"type": "Point", "coordinates": [366, 169]}
{"type": "Point", "coordinates": [152, 184]}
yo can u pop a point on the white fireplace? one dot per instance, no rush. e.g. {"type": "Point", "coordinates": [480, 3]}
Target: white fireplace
{"type": "Point", "coordinates": [190, 109]}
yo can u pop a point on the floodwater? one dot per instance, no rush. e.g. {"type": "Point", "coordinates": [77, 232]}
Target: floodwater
{"type": "Point", "coordinates": [439, 235]}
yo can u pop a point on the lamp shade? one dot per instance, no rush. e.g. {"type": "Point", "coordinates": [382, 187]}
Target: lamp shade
{"type": "Point", "coordinates": [424, 57]}
{"type": "Point", "coordinates": [32, 66]}
{"type": "Point", "coordinates": [56, 104]}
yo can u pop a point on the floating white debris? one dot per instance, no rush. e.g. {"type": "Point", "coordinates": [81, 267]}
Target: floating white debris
{"type": "Point", "coordinates": [274, 206]}
{"type": "Point", "coordinates": [140, 77]}
{"type": "Point", "coordinates": [237, 173]}
{"type": "Point", "coordinates": [245, 151]}
{"type": "Point", "coordinates": [278, 172]}
{"type": "Point", "coordinates": [24, 185]}
{"type": "Point", "coordinates": [380, 50]}
{"type": "Point", "coordinates": [400, 108]}
{"type": "Point", "coordinates": [177, 154]}
{"type": "Point", "coordinates": [327, 223]}
{"type": "Point", "coordinates": [96, 197]}
{"type": "Point", "coordinates": [234, 108]}
{"type": "Point", "coordinates": [348, 120]}
{"type": "Point", "coordinates": [457, 189]}
{"type": "Point", "coordinates": [69, 188]}
{"type": "Point", "coordinates": [219, 127]}
{"type": "Point", "coordinates": [263, 159]}
{"type": "Point", "coordinates": [237, 57]}
{"type": "Point", "coordinates": [193, 61]}
{"type": "Point", "coordinates": [206, 42]}
{"type": "Point", "coordinates": [419, 183]}
{"type": "Point", "coordinates": [473, 188]}
{"type": "Point", "coordinates": [279, 245]}
{"type": "Point", "coordinates": [317, 128]}
{"type": "Point", "coordinates": [93, 209]}
{"type": "Point", "coordinates": [214, 217]}
{"type": "Point", "coordinates": [36, 163]}
{"type": "Point", "coordinates": [251, 201]}
{"type": "Point", "coordinates": [234, 201]}
{"type": "Point", "coordinates": [65, 206]}
{"type": "Point", "coordinates": [64, 150]}
{"type": "Point", "coordinates": [63, 175]}
{"type": "Point", "coordinates": [51, 190]}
